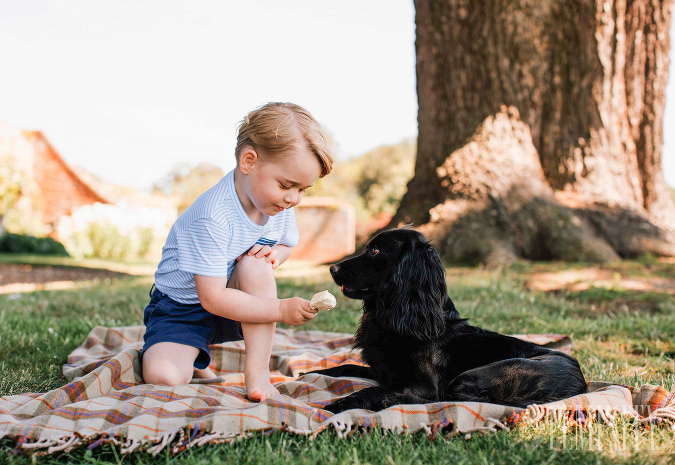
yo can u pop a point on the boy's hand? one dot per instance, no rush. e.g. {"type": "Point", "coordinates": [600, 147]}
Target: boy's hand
{"type": "Point", "coordinates": [296, 311]}
{"type": "Point", "coordinates": [263, 251]}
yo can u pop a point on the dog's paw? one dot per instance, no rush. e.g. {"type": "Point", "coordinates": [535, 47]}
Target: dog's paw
{"type": "Point", "coordinates": [340, 405]}
{"type": "Point", "coordinates": [317, 372]}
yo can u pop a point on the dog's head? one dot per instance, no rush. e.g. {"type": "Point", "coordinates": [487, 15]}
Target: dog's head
{"type": "Point", "coordinates": [402, 277]}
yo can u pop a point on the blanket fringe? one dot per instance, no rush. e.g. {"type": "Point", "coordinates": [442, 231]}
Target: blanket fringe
{"type": "Point", "coordinates": [492, 425]}
{"type": "Point", "coordinates": [574, 417]}
{"type": "Point", "coordinates": [344, 425]}
{"type": "Point", "coordinates": [65, 445]}
{"type": "Point", "coordinates": [663, 414]}
{"type": "Point", "coordinates": [165, 440]}
{"type": "Point", "coordinates": [48, 446]}
{"type": "Point", "coordinates": [130, 445]}
{"type": "Point", "coordinates": [584, 416]}
{"type": "Point", "coordinates": [343, 428]}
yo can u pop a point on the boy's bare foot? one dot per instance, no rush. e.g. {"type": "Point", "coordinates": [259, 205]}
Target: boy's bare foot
{"type": "Point", "coordinates": [206, 373]}
{"type": "Point", "coordinates": [258, 386]}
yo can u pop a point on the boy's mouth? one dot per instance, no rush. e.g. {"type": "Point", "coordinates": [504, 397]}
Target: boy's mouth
{"type": "Point", "coordinates": [279, 208]}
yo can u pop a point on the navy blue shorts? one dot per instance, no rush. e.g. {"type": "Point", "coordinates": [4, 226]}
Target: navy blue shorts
{"type": "Point", "coordinates": [169, 321]}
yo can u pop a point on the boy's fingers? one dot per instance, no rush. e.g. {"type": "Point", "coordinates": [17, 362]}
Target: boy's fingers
{"type": "Point", "coordinates": [254, 249]}
{"type": "Point", "coordinates": [263, 251]}
{"type": "Point", "coordinates": [309, 315]}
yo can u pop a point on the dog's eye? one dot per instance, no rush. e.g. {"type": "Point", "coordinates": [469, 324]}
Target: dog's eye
{"type": "Point", "coordinates": [374, 251]}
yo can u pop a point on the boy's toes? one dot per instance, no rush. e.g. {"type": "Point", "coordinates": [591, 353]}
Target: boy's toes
{"type": "Point", "coordinates": [256, 396]}
{"type": "Point", "coordinates": [265, 396]}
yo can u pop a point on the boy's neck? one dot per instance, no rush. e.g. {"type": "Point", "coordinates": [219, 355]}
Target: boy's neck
{"type": "Point", "coordinates": [256, 216]}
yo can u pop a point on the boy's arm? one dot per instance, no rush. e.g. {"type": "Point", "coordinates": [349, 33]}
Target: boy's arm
{"type": "Point", "coordinates": [275, 255]}
{"type": "Point", "coordinates": [217, 298]}
{"type": "Point", "coordinates": [283, 252]}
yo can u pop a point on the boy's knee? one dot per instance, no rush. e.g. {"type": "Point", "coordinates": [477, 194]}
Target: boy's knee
{"type": "Point", "coordinates": [254, 268]}
{"type": "Point", "coordinates": [164, 374]}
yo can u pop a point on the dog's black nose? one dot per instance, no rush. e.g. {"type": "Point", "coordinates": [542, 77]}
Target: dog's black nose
{"type": "Point", "coordinates": [334, 269]}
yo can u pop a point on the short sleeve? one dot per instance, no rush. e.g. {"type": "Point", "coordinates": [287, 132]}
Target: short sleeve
{"type": "Point", "coordinates": [290, 235]}
{"type": "Point", "coordinates": [203, 247]}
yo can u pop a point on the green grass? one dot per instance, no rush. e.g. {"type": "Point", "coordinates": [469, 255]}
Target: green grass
{"type": "Point", "coordinates": [620, 336]}
{"type": "Point", "coordinates": [133, 267]}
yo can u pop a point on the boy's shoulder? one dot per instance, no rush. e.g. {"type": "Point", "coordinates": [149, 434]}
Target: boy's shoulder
{"type": "Point", "coordinates": [215, 204]}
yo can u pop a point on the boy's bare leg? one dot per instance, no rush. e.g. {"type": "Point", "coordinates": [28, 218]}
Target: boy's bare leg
{"type": "Point", "coordinates": [169, 363]}
{"type": "Point", "coordinates": [256, 277]}
{"type": "Point", "coordinates": [206, 373]}
{"type": "Point", "coordinates": [258, 340]}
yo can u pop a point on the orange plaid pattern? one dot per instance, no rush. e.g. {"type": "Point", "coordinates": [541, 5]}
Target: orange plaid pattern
{"type": "Point", "coordinates": [106, 400]}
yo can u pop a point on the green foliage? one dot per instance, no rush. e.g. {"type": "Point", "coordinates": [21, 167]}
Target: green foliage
{"type": "Point", "coordinates": [186, 183]}
{"type": "Point", "coordinates": [13, 183]}
{"type": "Point", "coordinates": [108, 242]}
{"type": "Point", "coordinates": [374, 182]}
{"type": "Point", "coordinates": [19, 199]}
{"type": "Point", "coordinates": [18, 243]}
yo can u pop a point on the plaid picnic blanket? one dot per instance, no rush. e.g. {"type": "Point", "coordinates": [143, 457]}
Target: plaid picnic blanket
{"type": "Point", "coordinates": [106, 400]}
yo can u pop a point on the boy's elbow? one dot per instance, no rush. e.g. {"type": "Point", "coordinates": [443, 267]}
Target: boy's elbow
{"type": "Point", "coordinates": [206, 303]}
{"type": "Point", "coordinates": [209, 300]}
{"type": "Point", "coordinates": [209, 292]}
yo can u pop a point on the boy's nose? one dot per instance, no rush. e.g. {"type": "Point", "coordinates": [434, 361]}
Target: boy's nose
{"type": "Point", "coordinates": [291, 198]}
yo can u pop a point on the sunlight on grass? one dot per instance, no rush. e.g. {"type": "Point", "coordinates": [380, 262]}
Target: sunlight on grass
{"type": "Point", "coordinates": [617, 337]}
{"type": "Point", "coordinates": [137, 268]}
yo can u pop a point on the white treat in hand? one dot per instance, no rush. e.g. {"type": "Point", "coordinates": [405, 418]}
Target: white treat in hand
{"type": "Point", "coordinates": [323, 300]}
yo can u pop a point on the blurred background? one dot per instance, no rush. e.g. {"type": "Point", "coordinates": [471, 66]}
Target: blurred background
{"type": "Point", "coordinates": [115, 116]}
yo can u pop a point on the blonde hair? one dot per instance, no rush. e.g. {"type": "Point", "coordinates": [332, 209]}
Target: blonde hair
{"type": "Point", "coordinates": [271, 129]}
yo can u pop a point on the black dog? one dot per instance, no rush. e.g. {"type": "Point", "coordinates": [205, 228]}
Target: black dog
{"type": "Point", "coordinates": [418, 348]}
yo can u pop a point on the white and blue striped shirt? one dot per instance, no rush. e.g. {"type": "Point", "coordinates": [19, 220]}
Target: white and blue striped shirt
{"type": "Point", "coordinates": [209, 236]}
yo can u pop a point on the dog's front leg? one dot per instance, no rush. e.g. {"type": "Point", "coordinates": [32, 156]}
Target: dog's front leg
{"type": "Point", "coordinates": [343, 371]}
{"type": "Point", "coordinates": [380, 397]}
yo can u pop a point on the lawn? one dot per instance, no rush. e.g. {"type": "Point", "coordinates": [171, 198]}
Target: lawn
{"type": "Point", "coordinates": [620, 336]}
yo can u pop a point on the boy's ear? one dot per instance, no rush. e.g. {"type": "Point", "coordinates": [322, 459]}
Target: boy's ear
{"type": "Point", "coordinates": [247, 160]}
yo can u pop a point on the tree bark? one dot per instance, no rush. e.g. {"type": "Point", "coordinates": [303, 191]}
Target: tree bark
{"type": "Point", "coordinates": [542, 110]}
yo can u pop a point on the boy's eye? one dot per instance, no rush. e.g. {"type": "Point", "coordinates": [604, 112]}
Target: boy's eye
{"type": "Point", "coordinates": [284, 187]}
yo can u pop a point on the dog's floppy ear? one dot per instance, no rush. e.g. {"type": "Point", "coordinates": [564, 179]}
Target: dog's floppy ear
{"type": "Point", "coordinates": [411, 298]}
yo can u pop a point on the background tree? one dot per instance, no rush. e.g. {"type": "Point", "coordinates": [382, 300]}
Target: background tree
{"type": "Point", "coordinates": [13, 183]}
{"type": "Point", "coordinates": [541, 129]}
{"type": "Point", "coordinates": [373, 182]}
{"type": "Point", "coordinates": [185, 183]}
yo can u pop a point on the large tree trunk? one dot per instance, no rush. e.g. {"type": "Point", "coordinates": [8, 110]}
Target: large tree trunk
{"type": "Point", "coordinates": [541, 128]}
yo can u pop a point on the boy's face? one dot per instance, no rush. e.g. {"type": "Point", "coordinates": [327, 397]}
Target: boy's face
{"type": "Point", "coordinates": [275, 185]}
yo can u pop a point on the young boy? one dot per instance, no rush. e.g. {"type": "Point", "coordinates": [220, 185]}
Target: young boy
{"type": "Point", "coordinates": [215, 282]}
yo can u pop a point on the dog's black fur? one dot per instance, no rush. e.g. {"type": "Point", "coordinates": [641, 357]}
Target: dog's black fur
{"type": "Point", "coordinates": [418, 348]}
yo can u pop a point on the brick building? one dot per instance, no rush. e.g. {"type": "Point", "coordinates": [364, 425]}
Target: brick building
{"type": "Point", "coordinates": [53, 188]}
